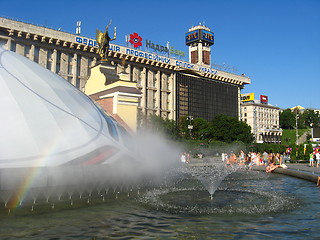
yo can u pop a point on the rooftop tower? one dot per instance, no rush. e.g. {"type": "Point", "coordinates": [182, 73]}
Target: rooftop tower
{"type": "Point", "coordinates": [199, 39]}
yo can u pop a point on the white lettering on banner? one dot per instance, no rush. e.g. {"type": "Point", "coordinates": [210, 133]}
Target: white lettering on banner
{"type": "Point", "coordinates": [87, 41]}
{"type": "Point", "coordinates": [150, 56]}
{"type": "Point", "coordinates": [184, 65]}
{"type": "Point", "coordinates": [114, 48]}
{"type": "Point", "coordinates": [207, 70]}
{"type": "Point", "coordinates": [147, 56]}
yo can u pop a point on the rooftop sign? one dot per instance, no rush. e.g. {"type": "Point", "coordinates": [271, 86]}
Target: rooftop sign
{"type": "Point", "coordinates": [199, 35]}
{"type": "Point", "coordinates": [247, 97]}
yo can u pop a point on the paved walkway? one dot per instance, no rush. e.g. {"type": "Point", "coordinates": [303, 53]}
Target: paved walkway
{"type": "Point", "coordinates": [303, 167]}
{"type": "Point", "coordinates": [297, 170]}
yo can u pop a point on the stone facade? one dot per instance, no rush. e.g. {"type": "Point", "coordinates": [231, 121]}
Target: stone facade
{"type": "Point", "coordinates": [52, 49]}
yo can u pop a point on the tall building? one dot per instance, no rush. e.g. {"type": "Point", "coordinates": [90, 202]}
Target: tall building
{"type": "Point", "coordinates": [133, 84]}
{"type": "Point", "coordinates": [262, 117]}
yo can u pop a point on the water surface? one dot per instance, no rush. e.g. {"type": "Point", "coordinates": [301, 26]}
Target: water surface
{"type": "Point", "coordinates": [283, 208]}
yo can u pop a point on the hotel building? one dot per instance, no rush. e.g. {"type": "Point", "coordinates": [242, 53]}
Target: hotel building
{"type": "Point", "coordinates": [262, 117]}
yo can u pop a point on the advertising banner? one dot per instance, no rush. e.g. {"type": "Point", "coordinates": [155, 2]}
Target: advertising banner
{"type": "Point", "coordinates": [264, 99]}
{"type": "Point", "coordinates": [247, 97]}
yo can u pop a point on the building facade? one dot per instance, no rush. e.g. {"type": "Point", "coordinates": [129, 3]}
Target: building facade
{"type": "Point", "coordinates": [263, 119]}
{"type": "Point", "coordinates": [152, 83]}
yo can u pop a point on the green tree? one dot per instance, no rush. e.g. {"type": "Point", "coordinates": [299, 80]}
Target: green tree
{"type": "Point", "coordinates": [183, 127]}
{"type": "Point", "coordinates": [200, 128]}
{"type": "Point", "coordinates": [287, 119]}
{"type": "Point", "coordinates": [309, 149]}
{"type": "Point", "coordinates": [229, 129]}
{"type": "Point", "coordinates": [165, 126]}
{"type": "Point", "coordinates": [310, 118]}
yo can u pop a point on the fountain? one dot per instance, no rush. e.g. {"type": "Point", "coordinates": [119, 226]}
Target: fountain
{"type": "Point", "coordinates": [212, 176]}
{"type": "Point", "coordinates": [60, 151]}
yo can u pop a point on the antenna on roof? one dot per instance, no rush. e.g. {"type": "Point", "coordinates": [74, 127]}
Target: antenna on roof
{"type": "Point", "coordinates": [78, 29]}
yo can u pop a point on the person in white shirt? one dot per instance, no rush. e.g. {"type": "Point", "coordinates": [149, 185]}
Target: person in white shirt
{"type": "Point", "coordinates": [318, 158]}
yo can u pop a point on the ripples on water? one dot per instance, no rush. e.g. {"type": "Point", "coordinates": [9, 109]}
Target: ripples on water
{"type": "Point", "coordinates": [266, 206]}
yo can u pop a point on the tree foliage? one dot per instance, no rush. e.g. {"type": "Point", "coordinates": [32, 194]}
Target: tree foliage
{"type": "Point", "coordinates": [222, 128]}
{"type": "Point", "coordinates": [306, 119]}
{"type": "Point", "coordinates": [164, 126]}
{"type": "Point", "coordinates": [229, 129]}
{"type": "Point", "coordinates": [287, 119]}
{"type": "Point", "coordinates": [310, 118]}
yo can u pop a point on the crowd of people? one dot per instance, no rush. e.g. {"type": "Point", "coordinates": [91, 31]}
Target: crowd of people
{"type": "Point", "coordinates": [270, 160]}
{"type": "Point", "coordinates": [250, 159]}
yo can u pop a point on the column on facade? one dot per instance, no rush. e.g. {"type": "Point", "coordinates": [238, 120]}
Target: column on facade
{"type": "Point", "coordinates": [164, 95]}
{"type": "Point", "coordinates": [54, 61]}
{"type": "Point", "coordinates": [43, 54]}
{"type": "Point", "coordinates": [150, 99]}
{"type": "Point", "coordinates": [64, 65]}
{"type": "Point", "coordinates": [74, 62]}
{"type": "Point", "coordinates": [136, 76]}
{"type": "Point", "coordinates": [128, 70]}
{"type": "Point", "coordinates": [171, 98]}
{"type": "Point", "coordinates": [143, 82]}
{"type": "Point", "coordinates": [31, 54]}
{"type": "Point", "coordinates": [200, 53]}
{"type": "Point", "coordinates": [20, 48]}
{"type": "Point", "coordinates": [8, 44]}
{"type": "Point", "coordinates": [158, 93]}
{"type": "Point", "coordinates": [84, 73]}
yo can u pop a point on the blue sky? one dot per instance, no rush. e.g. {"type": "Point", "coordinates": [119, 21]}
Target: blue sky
{"type": "Point", "coordinates": [276, 42]}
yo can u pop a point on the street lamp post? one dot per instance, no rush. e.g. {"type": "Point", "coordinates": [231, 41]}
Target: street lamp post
{"type": "Point", "coordinates": [297, 134]}
{"type": "Point", "coordinates": [190, 126]}
{"type": "Point", "coordinates": [255, 124]}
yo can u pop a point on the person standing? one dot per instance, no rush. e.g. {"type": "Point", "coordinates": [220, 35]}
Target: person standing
{"type": "Point", "coordinates": [183, 157]}
{"type": "Point", "coordinates": [318, 158]}
{"type": "Point", "coordinates": [265, 157]}
{"type": "Point", "coordinates": [311, 160]}
{"type": "Point", "coordinates": [241, 157]}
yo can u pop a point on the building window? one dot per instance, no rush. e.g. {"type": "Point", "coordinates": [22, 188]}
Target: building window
{"type": "Point", "coordinates": [36, 54]}
{"type": "Point", "coordinates": [27, 51]}
{"type": "Point", "coordinates": [3, 43]}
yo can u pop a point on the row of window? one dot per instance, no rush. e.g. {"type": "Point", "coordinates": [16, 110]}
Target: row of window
{"type": "Point", "coordinates": [200, 97]}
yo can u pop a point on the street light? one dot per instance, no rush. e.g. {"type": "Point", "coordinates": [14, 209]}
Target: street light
{"type": "Point", "coordinates": [190, 126]}
{"type": "Point", "coordinates": [255, 132]}
{"type": "Point", "coordinates": [297, 135]}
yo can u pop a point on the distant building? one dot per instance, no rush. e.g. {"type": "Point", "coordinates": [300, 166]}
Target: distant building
{"type": "Point", "coordinates": [302, 109]}
{"type": "Point", "coordinates": [262, 117]}
{"type": "Point", "coordinates": [315, 132]}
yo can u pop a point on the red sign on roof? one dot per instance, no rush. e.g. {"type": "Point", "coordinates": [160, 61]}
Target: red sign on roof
{"type": "Point", "coordinates": [263, 99]}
